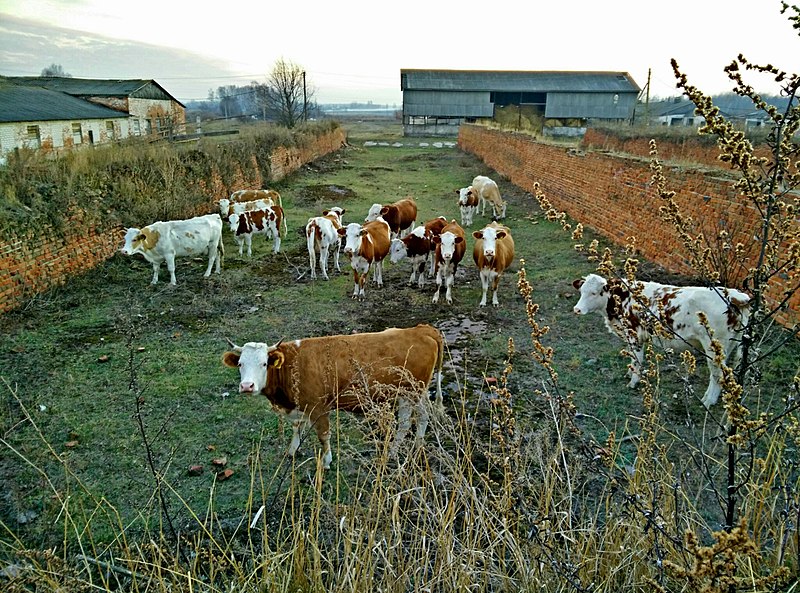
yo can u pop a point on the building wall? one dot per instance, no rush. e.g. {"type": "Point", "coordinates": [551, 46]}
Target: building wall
{"type": "Point", "coordinates": [158, 116]}
{"type": "Point", "coordinates": [613, 194]}
{"type": "Point", "coordinates": [42, 257]}
{"type": "Point", "coordinates": [55, 136]}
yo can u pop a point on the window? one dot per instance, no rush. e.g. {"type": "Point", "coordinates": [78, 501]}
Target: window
{"type": "Point", "coordinates": [32, 137]}
{"type": "Point", "coordinates": [77, 135]}
{"type": "Point", "coordinates": [110, 130]}
{"type": "Point", "coordinates": [137, 128]}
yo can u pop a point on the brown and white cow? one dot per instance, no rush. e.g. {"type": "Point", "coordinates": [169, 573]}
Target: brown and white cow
{"type": "Point", "coordinates": [487, 191]}
{"type": "Point", "coordinates": [164, 241]}
{"type": "Point", "coordinates": [266, 221]}
{"type": "Point", "coordinates": [306, 379]}
{"type": "Point", "coordinates": [632, 312]}
{"type": "Point", "coordinates": [493, 252]}
{"type": "Point", "coordinates": [418, 246]}
{"type": "Point", "coordinates": [322, 236]}
{"type": "Point", "coordinates": [401, 215]}
{"type": "Point", "coordinates": [467, 204]}
{"type": "Point", "coordinates": [366, 245]}
{"type": "Point", "coordinates": [450, 248]}
{"type": "Point", "coordinates": [250, 199]}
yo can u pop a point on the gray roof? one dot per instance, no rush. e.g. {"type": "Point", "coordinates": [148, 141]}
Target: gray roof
{"type": "Point", "coordinates": [517, 81]}
{"type": "Point", "coordinates": [29, 103]}
{"type": "Point", "coordinates": [94, 87]}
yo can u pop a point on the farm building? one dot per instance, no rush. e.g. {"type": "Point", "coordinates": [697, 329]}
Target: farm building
{"type": "Point", "coordinates": [149, 107]}
{"type": "Point", "coordinates": [436, 102]}
{"type": "Point", "coordinates": [36, 118]}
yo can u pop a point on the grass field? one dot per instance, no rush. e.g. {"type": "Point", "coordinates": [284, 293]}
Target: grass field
{"type": "Point", "coordinates": [93, 369]}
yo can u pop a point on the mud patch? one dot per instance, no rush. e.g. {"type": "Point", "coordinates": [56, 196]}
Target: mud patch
{"type": "Point", "coordinates": [457, 333]}
{"type": "Point", "coordinates": [323, 196]}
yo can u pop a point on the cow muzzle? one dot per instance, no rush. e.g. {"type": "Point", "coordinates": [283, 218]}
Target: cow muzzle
{"type": "Point", "coordinates": [247, 387]}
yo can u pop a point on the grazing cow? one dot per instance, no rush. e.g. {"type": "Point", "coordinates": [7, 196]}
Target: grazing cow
{"type": "Point", "coordinates": [400, 215]}
{"type": "Point", "coordinates": [467, 204]}
{"type": "Point", "coordinates": [487, 191]}
{"type": "Point", "coordinates": [366, 246]}
{"type": "Point", "coordinates": [266, 221]}
{"type": "Point", "coordinates": [251, 199]}
{"type": "Point", "coordinates": [450, 248]}
{"type": "Point", "coordinates": [676, 309]}
{"type": "Point", "coordinates": [164, 241]}
{"type": "Point", "coordinates": [322, 235]}
{"type": "Point", "coordinates": [493, 252]}
{"type": "Point", "coordinates": [417, 246]}
{"type": "Point", "coordinates": [306, 379]}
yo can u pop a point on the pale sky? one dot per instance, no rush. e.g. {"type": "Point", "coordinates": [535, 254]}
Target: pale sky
{"type": "Point", "coordinates": [353, 50]}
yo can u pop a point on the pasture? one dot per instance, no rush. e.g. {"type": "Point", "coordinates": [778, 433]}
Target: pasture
{"type": "Point", "coordinates": [93, 370]}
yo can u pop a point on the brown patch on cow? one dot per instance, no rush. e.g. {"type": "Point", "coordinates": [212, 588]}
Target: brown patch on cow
{"type": "Point", "coordinates": [618, 296]}
{"type": "Point", "coordinates": [230, 359]}
{"type": "Point", "coordinates": [667, 309]}
{"type": "Point", "coordinates": [734, 312]}
{"type": "Point", "coordinates": [148, 239]}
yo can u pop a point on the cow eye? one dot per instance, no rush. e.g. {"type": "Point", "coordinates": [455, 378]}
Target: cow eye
{"type": "Point", "coordinates": [239, 364]}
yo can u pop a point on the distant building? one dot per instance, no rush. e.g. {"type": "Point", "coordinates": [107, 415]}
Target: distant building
{"type": "Point", "coordinates": [436, 102]}
{"type": "Point", "coordinates": [53, 113]}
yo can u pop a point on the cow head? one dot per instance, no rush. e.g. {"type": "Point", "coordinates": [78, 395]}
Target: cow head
{"type": "Point", "coordinates": [447, 242]}
{"type": "Point", "coordinates": [397, 250]}
{"type": "Point", "coordinates": [337, 212]}
{"type": "Point", "coordinates": [352, 234]}
{"type": "Point", "coordinates": [139, 240]}
{"type": "Point", "coordinates": [374, 212]}
{"type": "Point", "coordinates": [233, 221]}
{"type": "Point", "coordinates": [490, 235]}
{"type": "Point", "coordinates": [253, 361]}
{"type": "Point", "coordinates": [594, 294]}
{"type": "Point", "coordinates": [464, 195]}
{"type": "Point", "coordinates": [224, 208]}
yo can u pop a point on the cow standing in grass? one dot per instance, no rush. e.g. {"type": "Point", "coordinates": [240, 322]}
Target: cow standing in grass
{"type": "Point", "coordinates": [322, 236]}
{"type": "Point", "coordinates": [493, 252]}
{"type": "Point", "coordinates": [450, 248]}
{"type": "Point", "coordinates": [366, 245]}
{"type": "Point", "coordinates": [400, 215]}
{"type": "Point", "coordinates": [418, 246]}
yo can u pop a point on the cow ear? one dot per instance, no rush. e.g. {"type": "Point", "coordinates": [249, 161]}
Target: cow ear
{"type": "Point", "coordinates": [384, 210]}
{"type": "Point", "coordinates": [436, 239]}
{"type": "Point", "coordinates": [342, 231]}
{"type": "Point", "coordinates": [458, 239]}
{"type": "Point", "coordinates": [477, 234]}
{"type": "Point", "coordinates": [324, 213]}
{"type": "Point", "coordinates": [230, 359]}
{"type": "Point", "coordinates": [501, 234]}
{"type": "Point", "coordinates": [276, 359]}
{"type": "Point", "coordinates": [140, 237]}
{"type": "Point", "coordinates": [578, 283]}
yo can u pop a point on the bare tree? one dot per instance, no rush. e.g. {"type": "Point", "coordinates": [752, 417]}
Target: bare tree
{"type": "Point", "coordinates": [288, 96]}
{"type": "Point", "coordinates": [55, 70]}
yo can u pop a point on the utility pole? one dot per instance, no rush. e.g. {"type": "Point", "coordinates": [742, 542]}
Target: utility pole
{"type": "Point", "coordinates": [305, 98]}
{"type": "Point", "coordinates": [647, 101]}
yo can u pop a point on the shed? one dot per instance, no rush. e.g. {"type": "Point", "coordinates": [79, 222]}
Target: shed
{"type": "Point", "coordinates": [436, 102]}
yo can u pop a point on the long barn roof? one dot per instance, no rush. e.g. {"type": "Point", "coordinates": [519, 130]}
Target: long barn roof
{"type": "Point", "coordinates": [517, 81]}
{"type": "Point", "coordinates": [30, 103]}
{"type": "Point", "coordinates": [94, 87]}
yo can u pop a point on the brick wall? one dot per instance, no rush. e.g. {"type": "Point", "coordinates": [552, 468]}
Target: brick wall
{"type": "Point", "coordinates": [40, 258]}
{"type": "Point", "coordinates": [613, 194]}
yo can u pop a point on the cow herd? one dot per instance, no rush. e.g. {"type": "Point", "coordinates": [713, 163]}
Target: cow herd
{"type": "Point", "coordinates": [305, 379]}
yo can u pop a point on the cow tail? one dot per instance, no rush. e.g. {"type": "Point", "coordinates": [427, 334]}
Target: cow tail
{"type": "Point", "coordinates": [312, 230]}
{"type": "Point", "coordinates": [282, 230]}
{"type": "Point", "coordinates": [439, 365]}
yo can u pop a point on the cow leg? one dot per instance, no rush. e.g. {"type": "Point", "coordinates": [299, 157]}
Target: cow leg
{"type": "Point", "coordinates": [421, 269]}
{"type": "Point", "coordinates": [422, 418]}
{"type": "Point", "coordinates": [276, 242]}
{"type": "Point", "coordinates": [362, 282]}
{"type": "Point", "coordinates": [714, 388]}
{"type": "Point", "coordinates": [438, 285]}
{"type": "Point", "coordinates": [484, 285]}
{"type": "Point", "coordinates": [212, 255]}
{"type": "Point", "coordinates": [403, 424]}
{"type": "Point", "coordinates": [336, 247]}
{"type": "Point", "coordinates": [413, 274]}
{"type": "Point", "coordinates": [156, 266]}
{"type": "Point", "coordinates": [356, 283]}
{"type": "Point", "coordinates": [377, 273]}
{"type": "Point", "coordinates": [323, 427]}
{"type": "Point", "coordinates": [170, 259]}
{"type": "Point", "coordinates": [637, 361]}
{"type": "Point", "coordinates": [295, 444]}
{"type": "Point", "coordinates": [312, 259]}
{"type": "Point", "coordinates": [323, 260]}
{"type": "Point", "coordinates": [495, 284]}
{"type": "Point", "coordinates": [449, 279]}
{"type": "Point", "coordinates": [240, 241]}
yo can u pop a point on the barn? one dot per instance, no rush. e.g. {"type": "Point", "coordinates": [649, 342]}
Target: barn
{"type": "Point", "coordinates": [436, 102]}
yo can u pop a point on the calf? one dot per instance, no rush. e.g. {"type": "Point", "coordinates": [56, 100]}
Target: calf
{"type": "Point", "coordinates": [634, 312]}
{"type": "Point", "coordinates": [322, 235]}
{"type": "Point", "coordinates": [467, 204]}
{"type": "Point", "coordinates": [252, 199]}
{"type": "Point", "coordinates": [487, 191]}
{"type": "Point", "coordinates": [493, 252]}
{"type": "Point", "coordinates": [164, 241]}
{"type": "Point", "coordinates": [266, 221]}
{"type": "Point", "coordinates": [400, 215]}
{"type": "Point", "coordinates": [417, 246]}
{"type": "Point", "coordinates": [306, 379]}
{"type": "Point", "coordinates": [367, 246]}
{"type": "Point", "coordinates": [450, 249]}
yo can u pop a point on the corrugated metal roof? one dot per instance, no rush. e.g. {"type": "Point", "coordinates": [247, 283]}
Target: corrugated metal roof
{"type": "Point", "coordinates": [29, 103]}
{"type": "Point", "coordinates": [93, 87]}
{"type": "Point", "coordinates": [517, 81]}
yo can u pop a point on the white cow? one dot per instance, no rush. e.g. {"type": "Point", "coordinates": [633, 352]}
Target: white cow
{"type": "Point", "coordinates": [322, 236]}
{"type": "Point", "coordinates": [164, 241]}
{"type": "Point", "coordinates": [677, 309]}
{"type": "Point", "coordinates": [487, 191]}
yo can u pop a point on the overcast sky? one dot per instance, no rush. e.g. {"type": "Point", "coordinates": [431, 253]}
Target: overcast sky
{"type": "Point", "coordinates": [354, 50]}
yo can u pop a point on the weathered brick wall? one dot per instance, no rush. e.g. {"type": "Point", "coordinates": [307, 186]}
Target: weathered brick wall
{"type": "Point", "coordinates": [613, 194]}
{"type": "Point", "coordinates": [39, 258]}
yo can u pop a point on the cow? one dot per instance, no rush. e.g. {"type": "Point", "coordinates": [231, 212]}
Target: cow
{"type": "Point", "coordinates": [493, 252]}
{"type": "Point", "coordinates": [487, 191]}
{"type": "Point", "coordinates": [266, 221]}
{"type": "Point", "coordinates": [164, 241]}
{"type": "Point", "coordinates": [401, 215]}
{"type": "Point", "coordinates": [450, 248]}
{"type": "Point", "coordinates": [251, 199]}
{"type": "Point", "coordinates": [306, 379]}
{"type": "Point", "coordinates": [417, 246]}
{"type": "Point", "coordinates": [632, 313]}
{"type": "Point", "coordinates": [467, 204]}
{"type": "Point", "coordinates": [366, 246]}
{"type": "Point", "coordinates": [322, 236]}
